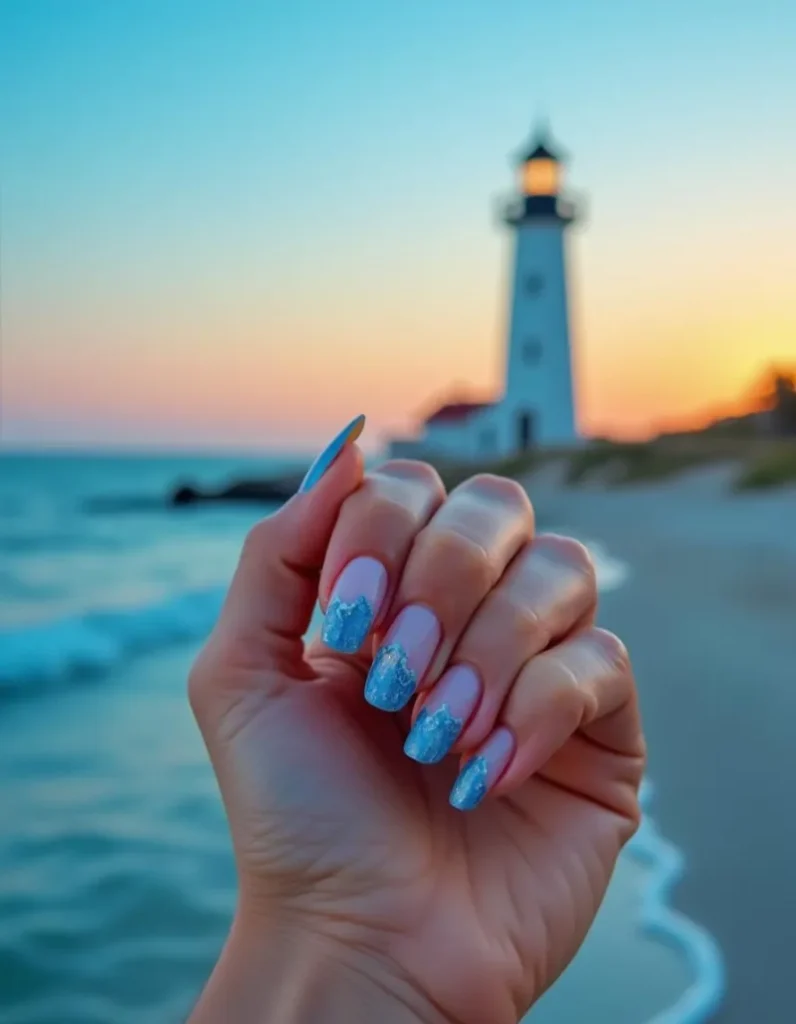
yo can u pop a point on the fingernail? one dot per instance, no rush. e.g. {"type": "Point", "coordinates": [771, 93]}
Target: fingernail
{"type": "Point", "coordinates": [346, 436]}
{"type": "Point", "coordinates": [403, 658]}
{"type": "Point", "coordinates": [483, 770]}
{"type": "Point", "coordinates": [441, 719]}
{"type": "Point", "coordinates": [354, 604]}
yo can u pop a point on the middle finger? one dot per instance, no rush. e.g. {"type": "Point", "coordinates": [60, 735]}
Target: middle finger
{"type": "Point", "coordinates": [454, 563]}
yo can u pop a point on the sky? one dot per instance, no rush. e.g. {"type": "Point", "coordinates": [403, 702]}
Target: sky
{"type": "Point", "coordinates": [230, 224]}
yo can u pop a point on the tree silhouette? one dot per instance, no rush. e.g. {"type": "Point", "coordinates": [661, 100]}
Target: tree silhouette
{"type": "Point", "coordinates": [784, 411]}
{"type": "Point", "coordinates": [775, 395]}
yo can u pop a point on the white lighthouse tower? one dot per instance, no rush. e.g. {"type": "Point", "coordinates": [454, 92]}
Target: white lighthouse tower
{"type": "Point", "coordinates": [538, 403]}
{"type": "Point", "coordinates": [537, 406]}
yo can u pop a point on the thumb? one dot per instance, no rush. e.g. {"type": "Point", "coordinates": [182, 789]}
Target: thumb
{"type": "Point", "coordinates": [273, 592]}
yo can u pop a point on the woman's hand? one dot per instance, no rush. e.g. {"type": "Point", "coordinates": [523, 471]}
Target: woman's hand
{"type": "Point", "coordinates": [372, 885]}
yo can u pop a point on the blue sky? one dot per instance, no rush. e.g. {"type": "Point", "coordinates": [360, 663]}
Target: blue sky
{"type": "Point", "coordinates": [296, 192]}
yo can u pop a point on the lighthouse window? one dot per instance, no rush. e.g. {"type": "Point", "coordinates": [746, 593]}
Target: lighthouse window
{"type": "Point", "coordinates": [534, 284]}
{"type": "Point", "coordinates": [531, 351]}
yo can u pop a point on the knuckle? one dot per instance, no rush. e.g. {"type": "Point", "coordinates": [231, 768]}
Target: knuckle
{"type": "Point", "coordinates": [457, 558]}
{"type": "Point", "coordinates": [572, 552]}
{"type": "Point", "coordinates": [522, 621]}
{"type": "Point", "coordinates": [414, 471]}
{"type": "Point", "coordinates": [612, 649]}
{"type": "Point", "coordinates": [566, 697]}
{"type": "Point", "coordinates": [503, 491]}
{"type": "Point", "coordinates": [403, 490]}
{"type": "Point", "coordinates": [501, 487]}
{"type": "Point", "coordinates": [387, 515]}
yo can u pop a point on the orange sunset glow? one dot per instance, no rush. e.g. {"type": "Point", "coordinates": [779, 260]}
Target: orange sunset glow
{"type": "Point", "coordinates": [179, 272]}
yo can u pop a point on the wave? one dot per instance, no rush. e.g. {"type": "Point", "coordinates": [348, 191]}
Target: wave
{"type": "Point", "coordinates": [611, 572]}
{"type": "Point", "coordinates": [95, 642]}
{"type": "Point", "coordinates": [705, 995]}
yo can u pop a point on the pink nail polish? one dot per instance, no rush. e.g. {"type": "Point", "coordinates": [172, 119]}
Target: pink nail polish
{"type": "Point", "coordinates": [404, 657]}
{"type": "Point", "coordinates": [354, 604]}
{"type": "Point", "coordinates": [443, 715]}
{"type": "Point", "coordinates": [483, 770]}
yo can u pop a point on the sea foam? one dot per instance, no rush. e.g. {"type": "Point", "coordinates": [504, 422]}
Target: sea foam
{"type": "Point", "coordinates": [666, 865]}
{"type": "Point", "coordinates": [89, 644]}
{"type": "Point", "coordinates": [52, 652]}
{"type": "Point", "coordinates": [95, 642]}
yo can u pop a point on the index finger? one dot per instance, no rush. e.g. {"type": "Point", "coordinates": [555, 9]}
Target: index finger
{"type": "Point", "coordinates": [370, 543]}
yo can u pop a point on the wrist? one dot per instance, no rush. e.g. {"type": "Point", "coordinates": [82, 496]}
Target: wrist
{"type": "Point", "coordinates": [290, 975]}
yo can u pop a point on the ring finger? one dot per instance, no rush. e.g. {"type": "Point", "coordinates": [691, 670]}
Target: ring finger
{"type": "Point", "coordinates": [547, 592]}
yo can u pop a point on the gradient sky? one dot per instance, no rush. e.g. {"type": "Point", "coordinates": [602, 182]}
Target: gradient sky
{"type": "Point", "coordinates": [242, 223]}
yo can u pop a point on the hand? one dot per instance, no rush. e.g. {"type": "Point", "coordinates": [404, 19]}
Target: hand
{"type": "Point", "coordinates": [349, 848]}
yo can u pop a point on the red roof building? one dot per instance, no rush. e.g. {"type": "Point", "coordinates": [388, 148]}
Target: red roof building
{"type": "Point", "coordinates": [455, 412]}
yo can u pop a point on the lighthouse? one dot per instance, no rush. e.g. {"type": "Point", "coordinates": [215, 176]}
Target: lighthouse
{"type": "Point", "coordinates": [538, 401]}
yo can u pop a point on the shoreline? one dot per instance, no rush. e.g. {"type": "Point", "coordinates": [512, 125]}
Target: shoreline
{"type": "Point", "coordinates": [756, 465]}
{"type": "Point", "coordinates": [658, 917]}
{"type": "Point", "coordinates": [707, 610]}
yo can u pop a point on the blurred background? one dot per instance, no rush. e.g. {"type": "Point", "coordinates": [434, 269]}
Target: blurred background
{"type": "Point", "coordinates": [227, 228]}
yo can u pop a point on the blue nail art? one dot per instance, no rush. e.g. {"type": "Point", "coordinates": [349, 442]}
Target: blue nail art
{"type": "Point", "coordinates": [347, 624]}
{"type": "Point", "coordinates": [347, 435]}
{"type": "Point", "coordinates": [432, 735]}
{"type": "Point", "coordinates": [470, 788]}
{"type": "Point", "coordinates": [390, 683]}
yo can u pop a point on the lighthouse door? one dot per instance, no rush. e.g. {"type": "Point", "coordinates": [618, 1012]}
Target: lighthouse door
{"type": "Point", "coordinates": [525, 431]}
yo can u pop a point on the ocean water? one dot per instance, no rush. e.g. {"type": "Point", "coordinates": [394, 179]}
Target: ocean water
{"type": "Point", "coordinates": [116, 876]}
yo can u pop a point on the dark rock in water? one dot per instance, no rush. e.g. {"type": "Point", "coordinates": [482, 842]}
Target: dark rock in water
{"type": "Point", "coordinates": [256, 492]}
{"type": "Point", "coordinates": [242, 491]}
{"type": "Point", "coordinates": [185, 495]}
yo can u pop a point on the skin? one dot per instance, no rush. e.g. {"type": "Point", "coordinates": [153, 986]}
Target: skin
{"type": "Point", "coordinates": [363, 894]}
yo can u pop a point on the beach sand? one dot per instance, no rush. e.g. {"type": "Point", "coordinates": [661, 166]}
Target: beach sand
{"type": "Point", "coordinates": [709, 615]}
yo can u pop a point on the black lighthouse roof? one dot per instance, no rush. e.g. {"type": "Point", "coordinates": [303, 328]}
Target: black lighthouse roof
{"type": "Point", "coordinates": [541, 148]}
{"type": "Point", "coordinates": [541, 151]}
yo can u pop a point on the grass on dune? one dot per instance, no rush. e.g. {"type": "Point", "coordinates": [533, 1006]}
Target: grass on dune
{"type": "Point", "coordinates": [775, 468]}
{"type": "Point", "coordinates": [762, 463]}
{"type": "Point", "coordinates": [625, 463]}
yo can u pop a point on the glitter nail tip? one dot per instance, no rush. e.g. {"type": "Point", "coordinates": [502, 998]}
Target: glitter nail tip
{"type": "Point", "coordinates": [470, 787]}
{"type": "Point", "coordinates": [346, 624]}
{"type": "Point", "coordinates": [432, 735]}
{"type": "Point", "coordinates": [390, 683]}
